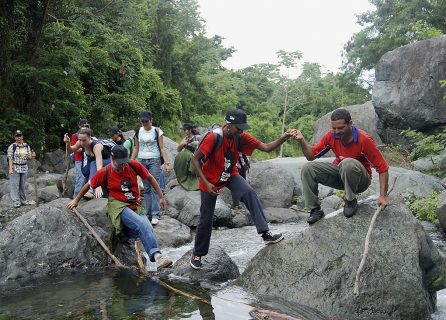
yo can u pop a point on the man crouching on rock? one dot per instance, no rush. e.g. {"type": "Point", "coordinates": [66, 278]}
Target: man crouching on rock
{"type": "Point", "coordinates": [120, 178]}
{"type": "Point", "coordinates": [355, 152]}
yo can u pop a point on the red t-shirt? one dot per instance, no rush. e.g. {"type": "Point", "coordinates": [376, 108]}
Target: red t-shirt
{"type": "Point", "coordinates": [221, 165]}
{"type": "Point", "coordinates": [122, 185]}
{"type": "Point", "coordinates": [78, 152]}
{"type": "Point", "coordinates": [362, 148]}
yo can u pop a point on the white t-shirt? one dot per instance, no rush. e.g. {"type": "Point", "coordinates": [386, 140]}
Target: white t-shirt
{"type": "Point", "coordinates": [148, 147]}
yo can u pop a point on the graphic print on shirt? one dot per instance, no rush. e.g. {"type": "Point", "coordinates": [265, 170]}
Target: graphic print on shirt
{"type": "Point", "coordinates": [126, 188]}
{"type": "Point", "coordinates": [229, 164]}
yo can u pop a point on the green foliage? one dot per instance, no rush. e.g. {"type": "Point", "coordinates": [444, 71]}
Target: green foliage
{"type": "Point", "coordinates": [424, 208]}
{"type": "Point", "coordinates": [392, 24]}
{"type": "Point", "coordinates": [425, 145]}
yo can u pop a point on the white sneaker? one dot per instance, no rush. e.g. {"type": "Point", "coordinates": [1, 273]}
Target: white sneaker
{"type": "Point", "coordinates": [28, 202]}
{"type": "Point", "coordinates": [16, 205]}
{"type": "Point", "coordinates": [155, 221]}
{"type": "Point", "coordinates": [163, 262]}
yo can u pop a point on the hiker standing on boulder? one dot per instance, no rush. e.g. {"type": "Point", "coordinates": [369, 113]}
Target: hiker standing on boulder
{"type": "Point", "coordinates": [124, 202]}
{"type": "Point", "coordinates": [78, 156]}
{"type": "Point", "coordinates": [355, 152]}
{"type": "Point", "coordinates": [219, 150]}
{"type": "Point", "coordinates": [18, 155]}
{"type": "Point", "coordinates": [191, 139]}
{"type": "Point", "coordinates": [149, 149]}
{"type": "Point", "coordinates": [96, 156]}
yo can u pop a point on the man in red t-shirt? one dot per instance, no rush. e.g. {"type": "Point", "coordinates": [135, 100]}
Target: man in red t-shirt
{"type": "Point", "coordinates": [355, 152]}
{"type": "Point", "coordinates": [219, 170]}
{"type": "Point", "coordinates": [120, 178]}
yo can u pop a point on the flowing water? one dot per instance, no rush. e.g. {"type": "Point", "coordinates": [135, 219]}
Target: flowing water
{"type": "Point", "coordinates": [122, 294]}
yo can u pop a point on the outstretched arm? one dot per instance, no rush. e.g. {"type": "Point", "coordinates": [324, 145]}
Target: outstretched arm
{"type": "Point", "coordinates": [306, 147]}
{"type": "Point", "coordinates": [268, 147]}
{"type": "Point", "coordinates": [383, 199]}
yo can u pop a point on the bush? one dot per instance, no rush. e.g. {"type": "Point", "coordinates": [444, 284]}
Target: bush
{"type": "Point", "coordinates": [424, 208]}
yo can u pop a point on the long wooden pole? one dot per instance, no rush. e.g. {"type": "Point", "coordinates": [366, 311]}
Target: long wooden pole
{"type": "Point", "coordinates": [103, 245]}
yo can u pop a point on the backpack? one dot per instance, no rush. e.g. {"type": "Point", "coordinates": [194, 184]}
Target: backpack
{"type": "Point", "coordinates": [106, 154]}
{"type": "Point", "coordinates": [218, 139]}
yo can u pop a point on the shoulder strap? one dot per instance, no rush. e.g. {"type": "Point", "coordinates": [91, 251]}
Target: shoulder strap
{"type": "Point", "coordinates": [14, 147]}
{"type": "Point", "coordinates": [106, 172]}
{"type": "Point", "coordinates": [218, 139]}
{"type": "Point", "coordinates": [157, 135]}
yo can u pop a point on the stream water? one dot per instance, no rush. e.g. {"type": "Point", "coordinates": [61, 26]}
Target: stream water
{"type": "Point", "coordinates": [122, 294]}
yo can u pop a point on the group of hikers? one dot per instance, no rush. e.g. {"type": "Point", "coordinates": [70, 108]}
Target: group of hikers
{"type": "Point", "coordinates": [217, 162]}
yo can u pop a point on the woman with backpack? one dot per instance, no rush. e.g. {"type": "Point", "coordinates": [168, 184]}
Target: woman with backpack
{"type": "Point", "coordinates": [18, 155]}
{"type": "Point", "coordinates": [149, 150]}
{"type": "Point", "coordinates": [96, 156]}
{"type": "Point", "coordinates": [191, 139]}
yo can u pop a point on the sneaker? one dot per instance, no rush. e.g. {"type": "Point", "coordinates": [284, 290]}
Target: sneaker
{"type": "Point", "coordinates": [350, 207]}
{"type": "Point", "coordinates": [195, 262]}
{"type": "Point", "coordinates": [154, 221]}
{"type": "Point", "coordinates": [89, 195]}
{"type": "Point", "coordinates": [16, 205]}
{"type": "Point", "coordinates": [163, 262]}
{"type": "Point", "coordinates": [269, 238]}
{"type": "Point", "coordinates": [28, 202]}
{"type": "Point", "coordinates": [315, 215]}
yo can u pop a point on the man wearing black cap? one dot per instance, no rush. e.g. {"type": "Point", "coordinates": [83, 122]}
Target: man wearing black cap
{"type": "Point", "coordinates": [219, 170]}
{"type": "Point", "coordinates": [120, 178]}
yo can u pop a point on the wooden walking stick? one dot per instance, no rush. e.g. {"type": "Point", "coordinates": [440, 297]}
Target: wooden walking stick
{"type": "Point", "coordinates": [103, 245]}
{"type": "Point", "coordinates": [36, 194]}
{"type": "Point", "coordinates": [65, 176]}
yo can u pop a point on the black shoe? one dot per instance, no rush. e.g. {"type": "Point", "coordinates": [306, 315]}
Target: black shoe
{"type": "Point", "coordinates": [350, 208]}
{"type": "Point", "coordinates": [315, 215]}
{"type": "Point", "coordinates": [269, 238]}
{"type": "Point", "coordinates": [195, 262]}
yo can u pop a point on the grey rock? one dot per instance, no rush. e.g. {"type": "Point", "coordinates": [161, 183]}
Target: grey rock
{"type": "Point", "coordinates": [71, 181]}
{"type": "Point", "coordinates": [281, 215]}
{"type": "Point", "coordinates": [331, 203]}
{"type": "Point", "coordinates": [188, 205]}
{"type": "Point", "coordinates": [317, 268]}
{"type": "Point", "coordinates": [407, 92]}
{"type": "Point", "coordinates": [48, 194]}
{"type": "Point", "coordinates": [172, 233]}
{"type": "Point", "coordinates": [54, 161]}
{"type": "Point", "coordinates": [217, 267]}
{"type": "Point", "coordinates": [363, 117]}
{"type": "Point", "coordinates": [273, 185]}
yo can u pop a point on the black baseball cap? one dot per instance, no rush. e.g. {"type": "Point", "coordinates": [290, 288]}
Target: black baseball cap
{"type": "Point", "coordinates": [114, 130]}
{"type": "Point", "coordinates": [187, 126]}
{"type": "Point", "coordinates": [18, 133]}
{"type": "Point", "coordinates": [145, 115]}
{"type": "Point", "coordinates": [120, 154]}
{"type": "Point", "coordinates": [237, 117]}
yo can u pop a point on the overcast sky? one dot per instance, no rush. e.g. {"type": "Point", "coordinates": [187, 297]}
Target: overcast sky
{"type": "Point", "coordinates": [257, 29]}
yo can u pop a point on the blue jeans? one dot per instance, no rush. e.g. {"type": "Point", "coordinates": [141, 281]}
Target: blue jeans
{"type": "Point", "coordinates": [94, 169]}
{"type": "Point", "coordinates": [17, 187]}
{"type": "Point", "coordinates": [151, 198]}
{"type": "Point", "coordinates": [139, 226]}
{"type": "Point", "coordinates": [80, 179]}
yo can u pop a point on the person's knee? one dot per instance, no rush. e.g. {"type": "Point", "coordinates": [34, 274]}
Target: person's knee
{"type": "Point", "coordinates": [307, 169]}
{"type": "Point", "coordinates": [349, 164]}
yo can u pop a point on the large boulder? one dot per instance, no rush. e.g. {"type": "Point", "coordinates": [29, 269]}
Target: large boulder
{"type": "Point", "coordinates": [407, 92]}
{"type": "Point", "coordinates": [54, 161]}
{"type": "Point", "coordinates": [217, 267]}
{"type": "Point", "coordinates": [363, 117]}
{"type": "Point", "coordinates": [317, 268]}
{"type": "Point", "coordinates": [187, 205]}
{"type": "Point", "coordinates": [274, 185]}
